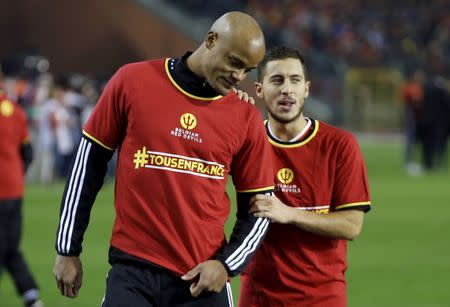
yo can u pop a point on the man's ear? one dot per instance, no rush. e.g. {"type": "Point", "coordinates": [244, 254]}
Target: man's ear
{"type": "Point", "coordinates": [258, 89]}
{"type": "Point", "coordinates": [211, 39]}
{"type": "Point", "coordinates": [307, 85]}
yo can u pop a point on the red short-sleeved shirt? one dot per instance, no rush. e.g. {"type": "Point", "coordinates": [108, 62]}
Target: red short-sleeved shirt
{"type": "Point", "coordinates": [323, 172]}
{"type": "Point", "coordinates": [13, 133]}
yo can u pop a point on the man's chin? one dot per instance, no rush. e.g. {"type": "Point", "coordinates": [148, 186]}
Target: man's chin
{"type": "Point", "coordinates": [222, 90]}
{"type": "Point", "coordinates": [285, 118]}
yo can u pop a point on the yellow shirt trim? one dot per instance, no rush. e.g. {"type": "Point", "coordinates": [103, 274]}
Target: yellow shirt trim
{"type": "Point", "coordinates": [256, 190]}
{"type": "Point", "coordinates": [97, 141]}
{"type": "Point", "coordinates": [166, 66]}
{"type": "Point", "coordinates": [362, 203]}
{"type": "Point", "coordinates": [274, 143]}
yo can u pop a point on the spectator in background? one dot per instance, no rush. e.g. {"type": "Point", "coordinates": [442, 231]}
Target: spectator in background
{"type": "Point", "coordinates": [435, 123]}
{"type": "Point", "coordinates": [45, 155]}
{"type": "Point", "coordinates": [63, 122]}
{"type": "Point", "coordinates": [321, 194]}
{"type": "Point", "coordinates": [15, 157]}
{"type": "Point", "coordinates": [412, 96]}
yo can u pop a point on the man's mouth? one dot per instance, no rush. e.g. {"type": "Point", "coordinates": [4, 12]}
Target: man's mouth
{"type": "Point", "coordinates": [286, 105]}
{"type": "Point", "coordinates": [228, 83]}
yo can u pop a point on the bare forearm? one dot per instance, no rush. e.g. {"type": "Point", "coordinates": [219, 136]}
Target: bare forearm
{"type": "Point", "coordinates": [342, 224]}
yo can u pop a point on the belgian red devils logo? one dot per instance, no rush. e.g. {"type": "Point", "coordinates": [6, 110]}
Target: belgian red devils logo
{"type": "Point", "coordinates": [188, 121]}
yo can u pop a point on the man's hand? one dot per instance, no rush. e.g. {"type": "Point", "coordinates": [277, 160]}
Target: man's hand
{"type": "Point", "coordinates": [271, 207]}
{"type": "Point", "coordinates": [68, 273]}
{"type": "Point", "coordinates": [210, 275]}
{"type": "Point", "coordinates": [244, 96]}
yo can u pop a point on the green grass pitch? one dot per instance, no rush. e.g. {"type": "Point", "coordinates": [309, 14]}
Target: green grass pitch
{"type": "Point", "coordinates": [402, 257]}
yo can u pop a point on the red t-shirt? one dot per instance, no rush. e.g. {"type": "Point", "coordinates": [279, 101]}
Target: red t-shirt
{"type": "Point", "coordinates": [323, 172]}
{"type": "Point", "coordinates": [175, 154]}
{"type": "Point", "coordinates": [13, 133]}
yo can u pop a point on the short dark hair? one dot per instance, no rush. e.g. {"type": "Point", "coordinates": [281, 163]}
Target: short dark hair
{"type": "Point", "coordinates": [279, 53]}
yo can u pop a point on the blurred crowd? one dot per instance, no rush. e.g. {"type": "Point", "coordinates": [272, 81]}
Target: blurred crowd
{"type": "Point", "coordinates": [57, 107]}
{"type": "Point", "coordinates": [408, 36]}
{"type": "Point", "coordinates": [367, 33]}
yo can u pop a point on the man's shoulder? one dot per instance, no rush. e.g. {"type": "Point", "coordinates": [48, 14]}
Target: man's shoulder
{"type": "Point", "coordinates": [339, 135]}
{"type": "Point", "coordinates": [142, 66]}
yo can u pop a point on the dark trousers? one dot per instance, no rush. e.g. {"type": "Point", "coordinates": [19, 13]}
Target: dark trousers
{"type": "Point", "coordinates": [139, 285]}
{"type": "Point", "coordinates": [11, 257]}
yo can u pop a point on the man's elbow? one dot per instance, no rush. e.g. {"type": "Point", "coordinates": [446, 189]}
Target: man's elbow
{"type": "Point", "coordinates": [353, 232]}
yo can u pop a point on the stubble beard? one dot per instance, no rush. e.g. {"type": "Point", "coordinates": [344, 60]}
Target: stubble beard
{"type": "Point", "coordinates": [286, 120]}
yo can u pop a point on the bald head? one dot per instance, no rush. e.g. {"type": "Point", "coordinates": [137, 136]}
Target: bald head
{"type": "Point", "coordinates": [233, 46]}
{"type": "Point", "coordinates": [241, 27]}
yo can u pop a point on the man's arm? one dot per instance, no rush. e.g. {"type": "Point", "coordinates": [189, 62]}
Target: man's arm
{"type": "Point", "coordinates": [248, 233]}
{"type": "Point", "coordinates": [86, 179]}
{"type": "Point", "coordinates": [343, 224]}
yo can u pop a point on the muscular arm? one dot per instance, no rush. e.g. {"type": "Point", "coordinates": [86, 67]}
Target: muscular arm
{"type": "Point", "coordinates": [344, 224]}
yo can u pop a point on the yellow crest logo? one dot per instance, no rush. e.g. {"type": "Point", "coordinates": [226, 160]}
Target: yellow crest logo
{"type": "Point", "coordinates": [188, 121]}
{"type": "Point", "coordinates": [6, 108]}
{"type": "Point", "coordinates": [285, 175]}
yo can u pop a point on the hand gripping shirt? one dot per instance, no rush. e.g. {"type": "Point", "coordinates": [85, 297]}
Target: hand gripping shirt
{"type": "Point", "coordinates": [176, 151]}
{"type": "Point", "coordinates": [322, 172]}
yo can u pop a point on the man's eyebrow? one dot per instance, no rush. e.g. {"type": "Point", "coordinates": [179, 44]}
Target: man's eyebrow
{"type": "Point", "coordinates": [237, 60]}
{"type": "Point", "coordinates": [282, 76]}
{"type": "Point", "coordinates": [276, 76]}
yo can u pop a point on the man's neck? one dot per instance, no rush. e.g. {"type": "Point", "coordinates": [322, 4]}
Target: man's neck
{"type": "Point", "coordinates": [193, 63]}
{"type": "Point", "coordinates": [287, 132]}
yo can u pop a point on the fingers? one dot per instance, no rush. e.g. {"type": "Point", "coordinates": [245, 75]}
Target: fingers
{"type": "Point", "coordinates": [68, 289]}
{"type": "Point", "coordinates": [191, 274]}
{"type": "Point", "coordinates": [259, 197]}
{"type": "Point", "coordinates": [212, 276]}
{"type": "Point", "coordinates": [196, 288]}
{"type": "Point", "coordinates": [244, 96]}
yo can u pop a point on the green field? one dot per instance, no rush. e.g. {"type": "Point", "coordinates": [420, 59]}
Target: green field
{"type": "Point", "coordinates": [402, 257]}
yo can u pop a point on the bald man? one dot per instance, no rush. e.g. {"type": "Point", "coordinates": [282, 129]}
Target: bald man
{"type": "Point", "coordinates": [180, 132]}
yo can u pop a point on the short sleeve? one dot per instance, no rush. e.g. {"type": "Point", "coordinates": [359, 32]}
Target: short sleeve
{"type": "Point", "coordinates": [107, 123]}
{"type": "Point", "coordinates": [252, 169]}
{"type": "Point", "coordinates": [351, 188]}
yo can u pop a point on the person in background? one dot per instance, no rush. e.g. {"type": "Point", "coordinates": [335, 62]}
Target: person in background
{"type": "Point", "coordinates": [15, 156]}
{"type": "Point", "coordinates": [412, 94]}
{"type": "Point", "coordinates": [321, 194]}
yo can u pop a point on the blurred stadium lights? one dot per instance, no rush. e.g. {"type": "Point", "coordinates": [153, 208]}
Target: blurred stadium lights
{"type": "Point", "coordinates": [25, 63]}
{"type": "Point", "coordinates": [36, 62]}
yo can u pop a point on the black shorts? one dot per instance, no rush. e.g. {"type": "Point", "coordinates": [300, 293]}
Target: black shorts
{"type": "Point", "coordinates": [138, 285]}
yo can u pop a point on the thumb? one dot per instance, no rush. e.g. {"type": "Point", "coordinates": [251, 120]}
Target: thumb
{"type": "Point", "coordinates": [191, 274]}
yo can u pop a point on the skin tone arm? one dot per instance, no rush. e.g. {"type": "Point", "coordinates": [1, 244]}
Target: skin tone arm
{"type": "Point", "coordinates": [346, 224]}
